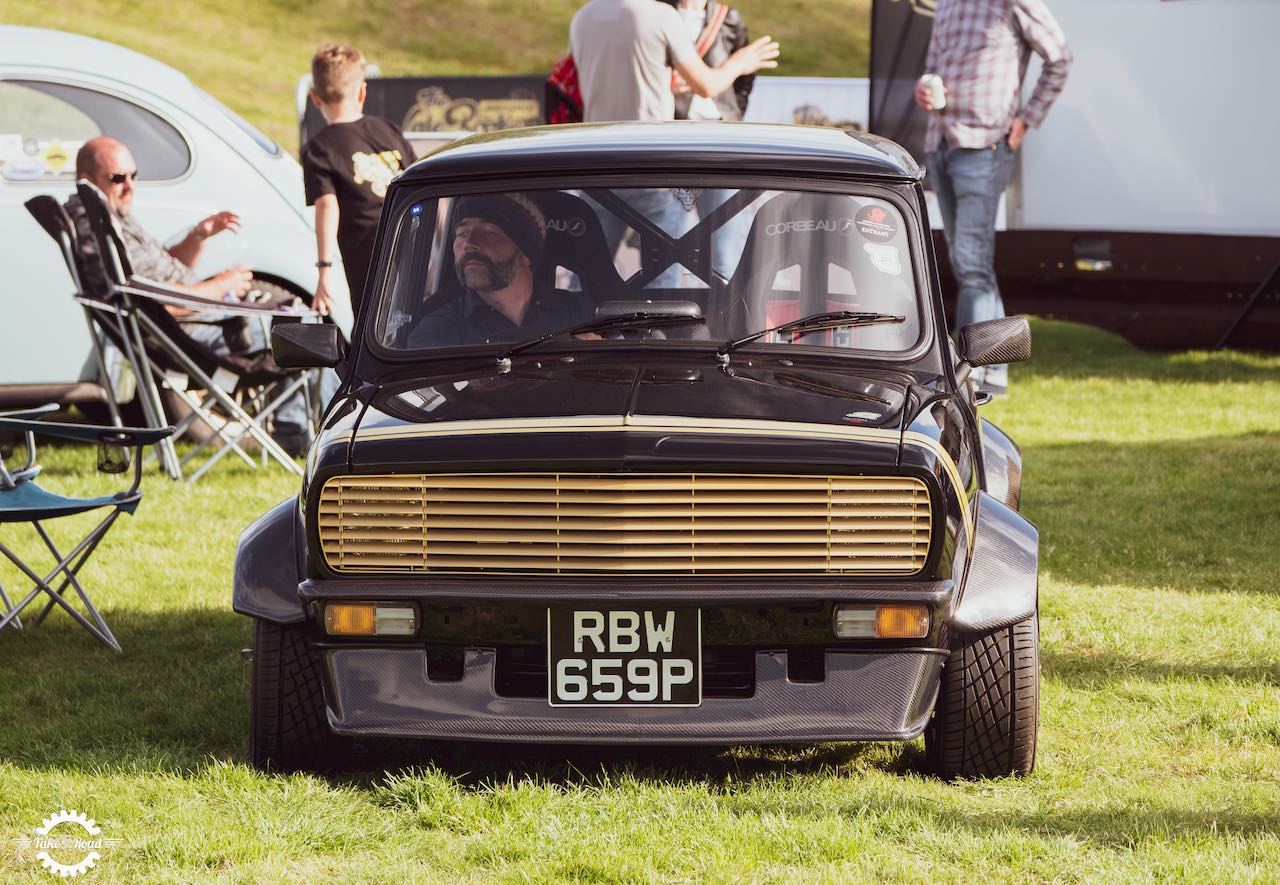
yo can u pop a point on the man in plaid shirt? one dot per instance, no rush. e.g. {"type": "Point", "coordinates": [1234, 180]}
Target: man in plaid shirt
{"type": "Point", "coordinates": [980, 49]}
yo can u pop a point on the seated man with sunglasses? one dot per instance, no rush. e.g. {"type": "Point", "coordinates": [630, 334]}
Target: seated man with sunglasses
{"type": "Point", "coordinates": [109, 165]}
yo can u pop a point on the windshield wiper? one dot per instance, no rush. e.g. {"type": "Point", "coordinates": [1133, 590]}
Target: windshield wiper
{"type": "Point", "coordinates": [813, 323]}
{"type": "Point", "coordinates": [641, 319]}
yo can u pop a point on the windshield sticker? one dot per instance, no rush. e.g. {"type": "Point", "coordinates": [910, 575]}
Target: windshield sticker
{"type": "Point", "coordinates": [884, 258]}
{"type": "Point", "coordinates": [829, 225]}
{"type": "Point", "coordinates": [876, 223]}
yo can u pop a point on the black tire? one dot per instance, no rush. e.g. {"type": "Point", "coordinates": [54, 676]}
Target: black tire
{"type": "Point", "coordinates": [288, 728]}
{"type": "Point", "coordinates": [987, 715]}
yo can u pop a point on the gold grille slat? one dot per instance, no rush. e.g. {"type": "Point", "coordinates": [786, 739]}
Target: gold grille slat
{"type": "Point", "coordinates": [639, 524]}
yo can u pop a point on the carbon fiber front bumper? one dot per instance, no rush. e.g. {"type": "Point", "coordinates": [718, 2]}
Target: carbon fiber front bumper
{"type": "Point", "coordinates": [864, 696]}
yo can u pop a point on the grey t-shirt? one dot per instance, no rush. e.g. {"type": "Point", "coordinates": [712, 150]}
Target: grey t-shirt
{"type": "Point", "coordinates": [625, 51]}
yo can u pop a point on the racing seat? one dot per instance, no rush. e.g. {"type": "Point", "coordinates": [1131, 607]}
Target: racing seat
{"type": "Point", "coordinates": [22, 500]}
{"type": "Point", "coordinates": [233, 393]}
{"type": "Point", "coordinates": [575, 241]}
{"type": "Point", "coordinates": [804, 254]}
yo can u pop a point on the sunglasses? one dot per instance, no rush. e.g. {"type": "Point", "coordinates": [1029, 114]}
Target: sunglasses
{"type": "Point", "coordinates": [122, 177]}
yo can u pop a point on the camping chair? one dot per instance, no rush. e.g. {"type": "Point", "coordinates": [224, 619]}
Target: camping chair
{"type": "Point", "coordinates": [53, 218]}
{"type": "Point", "coordinates": [233, 393]}
{"type": "Point", "coordinates": [22, 500]}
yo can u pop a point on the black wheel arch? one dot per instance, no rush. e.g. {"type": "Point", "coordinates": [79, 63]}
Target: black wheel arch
{"type": "Point", "coordinates": [1001, 586]}
{"type": "Point", "coordinates": [270, 559]}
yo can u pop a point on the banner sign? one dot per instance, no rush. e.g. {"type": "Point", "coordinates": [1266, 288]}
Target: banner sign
{"type": "Point", "coordinates": [447, 104]}
{"type": "Point", "coordinates": [900, 31]}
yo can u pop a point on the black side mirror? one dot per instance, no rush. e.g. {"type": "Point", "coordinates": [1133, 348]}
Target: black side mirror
{"type": "Point", "coordinates": [991, 342]}
{"type": "Point", "coordinates": [306, 345]}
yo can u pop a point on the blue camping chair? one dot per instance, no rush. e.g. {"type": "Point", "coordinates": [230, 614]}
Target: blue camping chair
{"type": "Point", "coordinates": [22, 500]}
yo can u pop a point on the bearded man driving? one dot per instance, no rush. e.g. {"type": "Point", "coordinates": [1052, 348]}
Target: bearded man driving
{"type": "Point", "coordinates": [497, 244]}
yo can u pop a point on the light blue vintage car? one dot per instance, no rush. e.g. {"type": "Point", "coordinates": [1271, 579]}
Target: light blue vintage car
{"type": "Point", "coordinates": [195, 156]}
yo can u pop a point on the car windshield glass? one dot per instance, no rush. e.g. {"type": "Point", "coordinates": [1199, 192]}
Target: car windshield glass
{"type": "Point", "coordinates": [501, 268]}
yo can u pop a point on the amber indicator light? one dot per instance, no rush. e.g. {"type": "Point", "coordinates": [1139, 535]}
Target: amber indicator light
{"type": "Point", "coordinates": [349, 619]}
{"type": "Point", "coordinates": [902, 621]}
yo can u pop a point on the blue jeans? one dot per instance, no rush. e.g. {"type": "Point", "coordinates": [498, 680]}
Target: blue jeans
{"type": "Point", "coordinates": [968, 183]}
{"type": "Point", "coordinates": [660, 207]}
{"type": "Point", "coordinates": [730, 238]}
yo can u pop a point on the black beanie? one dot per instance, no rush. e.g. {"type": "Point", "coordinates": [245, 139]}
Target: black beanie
{"type": "Point", "coordinates": [517, 215]}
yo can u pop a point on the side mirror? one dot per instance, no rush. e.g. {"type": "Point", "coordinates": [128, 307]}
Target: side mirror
{"type": "Point", "coordinates": [306, 345]}
{"type": "Point", "coordinates": [991, 342]}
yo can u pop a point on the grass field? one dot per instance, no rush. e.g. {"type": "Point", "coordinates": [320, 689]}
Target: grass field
{"type": "Point", "coordinates": [243, 60]}
{"type": "Point", "coordinates": [1155, 481]}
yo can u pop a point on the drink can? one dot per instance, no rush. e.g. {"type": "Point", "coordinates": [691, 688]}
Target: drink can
{"type": "Point", "coordinates": [937, 94]}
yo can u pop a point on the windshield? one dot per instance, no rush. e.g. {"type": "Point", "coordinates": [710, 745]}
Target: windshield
{"type": "Point", "coordinates": [499, 268]}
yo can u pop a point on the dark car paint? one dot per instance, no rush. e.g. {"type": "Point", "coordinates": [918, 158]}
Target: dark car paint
{"type": "Point", "coordinates": [918, 421]}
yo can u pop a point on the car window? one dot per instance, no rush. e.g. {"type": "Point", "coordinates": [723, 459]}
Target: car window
{"type": "Point", "coordinates": [261, 139]}
{"type": "Point", "coordinates": [482, 268]}
{"type": "Point", "coordinates": [42, 125]}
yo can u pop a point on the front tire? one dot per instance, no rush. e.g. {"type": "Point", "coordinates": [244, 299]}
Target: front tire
{"type": "Point", "coordinates": [288, 726]}
{"type": "Point", "coordinates": [987, 715]}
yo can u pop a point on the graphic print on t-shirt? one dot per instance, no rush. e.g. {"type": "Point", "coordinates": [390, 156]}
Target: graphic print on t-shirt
{"type": "Point", "coordinates": [376, 170]}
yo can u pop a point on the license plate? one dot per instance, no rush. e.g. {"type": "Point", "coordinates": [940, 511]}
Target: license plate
{"type": "Point", "coordinates": [624, 657]}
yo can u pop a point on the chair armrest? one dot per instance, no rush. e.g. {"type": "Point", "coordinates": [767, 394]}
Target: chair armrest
{"type": "Point", "coordinates": [120, 436]}
{"type": "Point", "coordinates": [145, 288]}
{"type": "Point", "coordinates": [31, 413]}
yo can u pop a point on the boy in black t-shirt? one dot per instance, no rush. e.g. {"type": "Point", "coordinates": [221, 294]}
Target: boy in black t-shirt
{"type": "Point", "coordinates": [346, 168]}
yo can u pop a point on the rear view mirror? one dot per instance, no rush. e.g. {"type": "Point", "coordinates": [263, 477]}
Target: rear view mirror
{"type": "Point", "coordinates": [991, 342]}
{"type": "Point", "coordinates": [306, 345]}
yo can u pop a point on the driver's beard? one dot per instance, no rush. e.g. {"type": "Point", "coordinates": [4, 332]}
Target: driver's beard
{"type": "Point", "coordinates": [489, 276]}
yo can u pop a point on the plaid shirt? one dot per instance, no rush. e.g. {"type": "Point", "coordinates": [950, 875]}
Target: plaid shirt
{"type": "Point", "coordinates": [148, 255]}
{"type": "Point", "coordinates": [980, 48]}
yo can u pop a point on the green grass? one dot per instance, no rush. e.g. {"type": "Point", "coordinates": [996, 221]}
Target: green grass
{"type": "Point", "coordinates": [1153, 479]}
{"type": "Point", "coordinates": [233, 48]}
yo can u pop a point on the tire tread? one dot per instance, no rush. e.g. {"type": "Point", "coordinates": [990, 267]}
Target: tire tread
{"type": "Point", "coordinates": [987, 715]}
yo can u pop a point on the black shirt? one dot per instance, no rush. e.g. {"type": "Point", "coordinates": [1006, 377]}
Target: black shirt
{"type": "Point", "coordinates": [355, 161]}
{"type": "Point", "coordinates": [468, 319]}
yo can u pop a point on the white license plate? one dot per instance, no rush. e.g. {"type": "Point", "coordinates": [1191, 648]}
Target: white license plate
{"type": "Point", "coordinates": [603, 656]}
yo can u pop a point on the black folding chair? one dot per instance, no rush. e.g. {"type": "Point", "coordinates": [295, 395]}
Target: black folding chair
{"type": "Point", "coordinates": [53, 218]}
{"type": "Point", "coordinates": [22, 500]}
{"type": "Point", "coordinates": [234, 394]}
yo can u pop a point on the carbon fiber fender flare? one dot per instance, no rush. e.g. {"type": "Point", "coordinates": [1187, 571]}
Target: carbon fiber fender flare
{"type": "Point", "coordinates": [1003, 461]}
{"type": "Point", "coordinates": [268, 567]}
{"type": "Point", "coordinates": [1001, 587]}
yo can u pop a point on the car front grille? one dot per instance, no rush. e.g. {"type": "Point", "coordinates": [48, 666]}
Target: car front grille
{"type": "Point", "coordinates": [635, 524]}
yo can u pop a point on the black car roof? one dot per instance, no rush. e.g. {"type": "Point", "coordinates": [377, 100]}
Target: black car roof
{"type": "Point", "coordinates": [676, 146]}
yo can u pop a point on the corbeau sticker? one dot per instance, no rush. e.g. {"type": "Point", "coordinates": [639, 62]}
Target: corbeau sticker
{"type": "Point", "coordinates": [876, 223]}
{"type": "Point", "coordinates": [829, 225]}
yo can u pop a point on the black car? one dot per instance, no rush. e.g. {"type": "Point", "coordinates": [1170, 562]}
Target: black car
{"type": "Point", "coordinates": [652, 434]}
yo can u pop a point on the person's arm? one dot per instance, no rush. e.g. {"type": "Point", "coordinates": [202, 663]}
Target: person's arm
{"type": "Point", "coordinates": [1043, 34]}
{"type": "Point", "coordinates": [234, 282]}
{"type": "Point", "coordinates": [326, 250]}
{"type": "Point", "coordinates": [924, 98]}
{"type": "Point", "coordinates": [710, 82]}
{"type": "Point", "coordinates": [738, 38]}
{"type": "Point", "coordinates": [189, 250]}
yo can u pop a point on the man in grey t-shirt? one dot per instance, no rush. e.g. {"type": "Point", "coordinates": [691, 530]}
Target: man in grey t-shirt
{"type": "Point", "coordinates": [625, 51]}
